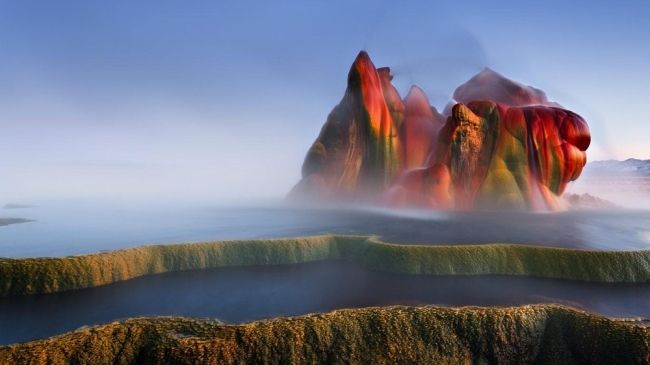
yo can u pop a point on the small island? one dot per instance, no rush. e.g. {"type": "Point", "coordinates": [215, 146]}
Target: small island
{"type": "Point", "coordinates": [8, 221]}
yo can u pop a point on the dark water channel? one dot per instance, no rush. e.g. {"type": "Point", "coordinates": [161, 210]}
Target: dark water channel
{"type": "Point", "coordinates": [242, 294]}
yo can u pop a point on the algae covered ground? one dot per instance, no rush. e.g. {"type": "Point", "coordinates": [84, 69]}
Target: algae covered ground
{"type": "Point", "coordinates": [47, 275]}
{"type": "Point", "coordinates": [408, 335]}
{"type": "Point", "coordinates": [527, 334]}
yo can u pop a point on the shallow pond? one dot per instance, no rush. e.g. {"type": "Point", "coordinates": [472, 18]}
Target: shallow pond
{"type": "Point", "coordinates": [64, 229]}
{"type": "Point", "coordinates": [241, 294]}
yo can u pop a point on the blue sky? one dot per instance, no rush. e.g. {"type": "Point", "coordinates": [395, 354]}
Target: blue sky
{"type": "Point", "coordinates": [221, 99]}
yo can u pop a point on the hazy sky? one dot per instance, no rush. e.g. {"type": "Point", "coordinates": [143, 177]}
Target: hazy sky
{"type": "Point", "coordinates": [221, 99]}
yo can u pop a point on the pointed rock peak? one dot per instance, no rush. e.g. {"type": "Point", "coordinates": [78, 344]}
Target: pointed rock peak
{"type": "Point", "coordinates": [363, 73]}
{"type": "Point", "coordinates": [417, 103]}
{"type": "Point", "coordinates": [363, 62]}
{"type": "Point", "coordinates": [489, 76]}
{"type": "Point", "coordinates": [362, 56]}
{"type": "Point", "coordinates": [491, 85]}
{"type": "Point", "coordinates": [488, 72]}
{"type": "Point", "coordinates": [416, 94]}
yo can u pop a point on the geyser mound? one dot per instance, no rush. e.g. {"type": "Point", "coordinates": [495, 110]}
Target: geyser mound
{"type": "Point", "coordinates": [503, 145]}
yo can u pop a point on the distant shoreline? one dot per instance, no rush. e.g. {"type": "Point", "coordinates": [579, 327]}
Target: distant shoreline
{"type": "Point", "coordinates": [8, 221]}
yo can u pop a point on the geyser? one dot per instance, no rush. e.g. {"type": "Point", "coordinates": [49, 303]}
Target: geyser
{"type": "Point", "coordinates": [503, 145]}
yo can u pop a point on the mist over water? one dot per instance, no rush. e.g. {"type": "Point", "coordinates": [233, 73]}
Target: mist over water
{"type": "Point", "coordinates": [625, 190]}
{"type": "Point", "coordinates": [71, 228]}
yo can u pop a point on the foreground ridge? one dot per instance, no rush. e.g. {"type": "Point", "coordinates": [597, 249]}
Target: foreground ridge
{"type": "Point", "coordinates": [414, 335]}
{"type": "Point", "coordinates": [48, 275]}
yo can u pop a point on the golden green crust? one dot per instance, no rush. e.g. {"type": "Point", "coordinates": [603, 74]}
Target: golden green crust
{"type": "Point", "coordinates": [48, 275]}
{"type": "Point", "coordinates": [389, 335]}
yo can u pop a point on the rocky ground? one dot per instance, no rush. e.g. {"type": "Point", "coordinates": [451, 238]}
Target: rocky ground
{"type": "Point", "coordinates": [389, 335]}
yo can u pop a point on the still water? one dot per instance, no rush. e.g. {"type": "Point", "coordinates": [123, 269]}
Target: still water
{"type": "Point", "coordinates": [242, 294]}
{"type": "Point", "coordinates": [69, 228]}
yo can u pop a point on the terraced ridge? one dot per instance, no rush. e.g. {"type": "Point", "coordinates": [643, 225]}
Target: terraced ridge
{"type": "Point", "coordinates": [546, 334]}
{"type": "Point", "coordinates": [48, 275]}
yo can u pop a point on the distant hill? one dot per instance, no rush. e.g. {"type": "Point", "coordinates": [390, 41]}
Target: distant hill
{"type": "Point", "coordinates": [629, 166]}
{"type": "Point", "coordinates": [587, 201]}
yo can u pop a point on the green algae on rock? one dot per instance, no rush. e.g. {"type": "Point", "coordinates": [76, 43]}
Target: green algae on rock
{"type": "Point", "coordinates": [547, 334]}
{"type": "Point", "coordinates": [48, 275]}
